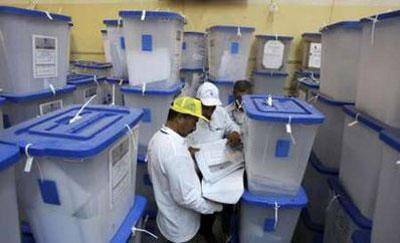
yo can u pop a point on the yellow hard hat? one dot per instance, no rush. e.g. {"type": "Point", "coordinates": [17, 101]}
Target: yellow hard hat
{"type": "Point", "coordinates": [189, 106]}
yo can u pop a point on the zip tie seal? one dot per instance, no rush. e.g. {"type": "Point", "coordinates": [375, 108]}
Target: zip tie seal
{"type": "Point", "coordinates": [269, 100]}
{"type": "Point", "coordinates": [143, 17]}
{"type": "Point", "coordinates": [143, 88]}
{"type": "Point", "coordinates": [48, 15]}
{"type": "Point", "coordinates": [78, 114]}
{"type": "Point", "coordinates": [355, 122]}
{"type": "Point", "coordinates": [29, 159]}
{"type": "Point", "coordinates": [53, 90]}
{"type": "Point", "coordinates": [144, 231]}
{"type": "Point", "coordinates": [276, 209]}
{"type": "Point", "coordinates": [289, 130]}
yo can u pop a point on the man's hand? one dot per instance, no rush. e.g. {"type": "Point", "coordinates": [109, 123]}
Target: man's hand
{"type": "Point", "coordinates": [234, 139]}
{"type": "Point", "coordinates": [193, 152]}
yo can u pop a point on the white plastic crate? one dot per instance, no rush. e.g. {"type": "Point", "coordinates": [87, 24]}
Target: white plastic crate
{"type": "Point", "coordinates": [100, 69]}
{"type": "Point", "coordinates": [9, 221]}
{"type": "Point", "coordinates": [81, 185]}
{"type": "Point", "coordinates": [155, 101]}
{"type": "Point", "coordinates": [387, 211]}
{"type": "Point", "coordinates": [270, 219]}
{"type": "Point", "coordinates": [106, 45]}
{"type": "Point", "coordinates": [342, 217]}
{"type": "Point", "coordinates": [269, 82]}
{"type": "Point", "coordinates": [315, 183]}
{"type": "Point", "coordinates": [112, 91]}
{"type": "Point", "coordinates": [87, 86]}
{"type": "Point", "coordinates": [277, 142]}
{"type": "Point", "coordinates": [306, 231]}
{"type": "Point", "coordinates": [132, 221]}
{"type": "Point", "coordinates": [193, 50]}
{"type": "Point", "coordinates": [378, 86]}
{"type": "Point", "coordinates": [272, 52]}
{"type": "Point", "coordinates": [361, 159]}
{"type": "Point", "coordinates": [225, 91]}
{"type": "Point", "coordinates": [34, 50]}
{"type": "Point", "coordinates": [154, 45]}
{"type": "Point", "coordinates": [311, 52]}
{"type": "Point", "coordinates": [117, 48]}
{"type": "Point", "coordinates": [328, 142]}
{"type": "Point", "coordinates": [307, 84]}
{"type": "Point", "coordinates": [228, 52]}
{"type": "Point", "coordinates": [191, 78]}
{"type": "Point", "coordinates": [24, 107]}
{"type": "Point", "coordinates": [340, 58]}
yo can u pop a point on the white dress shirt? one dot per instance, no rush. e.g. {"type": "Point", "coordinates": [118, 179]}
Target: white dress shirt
{"type": "Point", "coordinates": [176, 187]}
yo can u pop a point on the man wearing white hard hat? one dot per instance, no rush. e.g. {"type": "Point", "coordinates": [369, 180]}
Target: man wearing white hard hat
{"type": "Point", "coordinates": [220, 126]}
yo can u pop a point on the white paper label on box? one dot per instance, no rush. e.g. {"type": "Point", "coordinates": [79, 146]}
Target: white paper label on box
{"type": "Point", "coordinates": [273, 54]}
{"type": "Point", "coordinates": [314, 57]}
{"type": "Point", "coordinates": [120, 171]}
{"type": "Point", "coordinates": [44, 56]}
{"type": "Point", "coordinates": [50, 106]}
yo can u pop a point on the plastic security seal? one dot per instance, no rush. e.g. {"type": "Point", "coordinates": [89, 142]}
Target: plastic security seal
{"type": "Point", "coordinates": [289, 130]}
{"type": "Point", "coordinates": [355, 122]}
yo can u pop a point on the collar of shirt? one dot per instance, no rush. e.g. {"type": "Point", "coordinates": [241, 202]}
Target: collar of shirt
{"type": "Point", "coordinates": [172, 133]}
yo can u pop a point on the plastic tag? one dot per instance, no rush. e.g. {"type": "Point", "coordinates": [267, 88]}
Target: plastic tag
{"type": "Point", "coordinates": [276, 209]}
{"type": "Point", "coordinates": [282, 148]}
{"type": "Point", "coordinates": [147, 43]}
{"type": "Point", "coordinates": [143, 88]}
{"type": "Point", "coordinates": [239, 33]}
{"type": "Point", "coordinates": [53, 90]}
{"type": "Point", "coordinates": [355, 122]}
{"type": "Point", "coordinates": [289, 130]}
{"type": "Point", "coordinates": [49, 192]}
{"type": "Point", "coordinates": [119, 20]}
{"type": "Point", "coordinates": [122, 42]}
{"type": "Point", "coordinates": [234, 47]}
{"type": "Point", "coordinates": [77, 115]}
{"type": "Point", "coordinates": [28, 164]}
{"type": "Point", "coordinates": [143, 17]}
{"type": "Point", "coordinates": [269, 100]}
{"type": "Point", "coordinates": [144, 231]}
{"type": "Point", "coordinates": [29, 159]}
{"type": "Point", "coordinates": [48, 15]}
{"type": "Point", "coordinates": [95, 80]}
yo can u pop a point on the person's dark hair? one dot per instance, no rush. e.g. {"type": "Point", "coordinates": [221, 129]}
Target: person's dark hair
{"type": "Point", "coordinates": [172, 114]}
{"type": "Point", "coordinates": [242, 85]}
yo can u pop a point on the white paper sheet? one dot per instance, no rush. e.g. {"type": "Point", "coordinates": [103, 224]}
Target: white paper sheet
{"type": "Point", "coordinates": [314, 58]}
{"type": "Point", "coordinates": [273, 54]}
{"type": "Point", "coordinates": [228, 190]}
{"type": "Point", "coordinates": [217, 160]}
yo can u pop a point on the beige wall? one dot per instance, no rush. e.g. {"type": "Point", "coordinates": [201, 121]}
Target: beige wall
{"type": "Point", "coordinates": [293, 17]}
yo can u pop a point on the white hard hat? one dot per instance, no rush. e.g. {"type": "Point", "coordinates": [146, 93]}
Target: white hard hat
{"type": "Point", "coordinates": [208, 93]}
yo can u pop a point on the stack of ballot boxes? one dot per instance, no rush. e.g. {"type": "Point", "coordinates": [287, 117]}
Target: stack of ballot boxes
{"type": "Point", "coordinates": [368, 173]}
{"type": "Point", "coordinates": [278, 136]}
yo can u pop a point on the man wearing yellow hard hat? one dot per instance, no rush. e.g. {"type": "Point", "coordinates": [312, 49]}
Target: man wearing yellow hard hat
{"type": "Point", "coordinates": [176, 185]}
